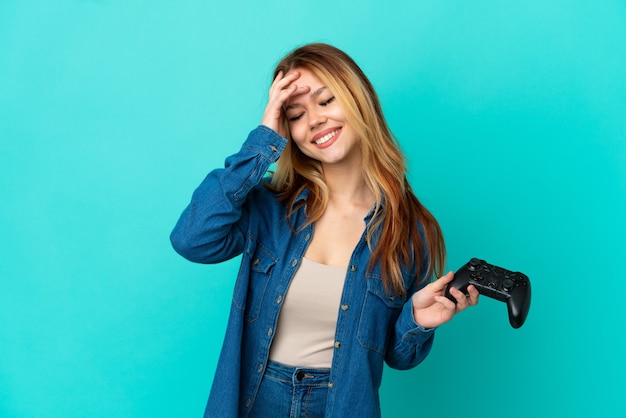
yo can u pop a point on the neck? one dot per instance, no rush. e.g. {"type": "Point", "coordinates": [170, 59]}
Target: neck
{"type": "Point", "coordinates": [347, 185]}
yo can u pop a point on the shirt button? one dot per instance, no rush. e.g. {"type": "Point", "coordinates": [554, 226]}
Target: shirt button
{"type": "Point", "coordinates": [279, 299]}
{"type": "Point", "coordinates": [353, 268]}
{"type": "Point", "coordinates": [293, 263]}
{"type": "Point", "coordinates": [330, 385]}
{"type": "Point", "coordinates": [260, 369]}
{"type": "Point", "coordinates": [337, 344]}
{"type": "Point", "coordinates": [273, 148]}
{"type": "Point", "coordinates": [269, 332]}
{"type": "Point", "coordinates": [308, 237]}
{"type": "Point", "coordinates": [344, 307]}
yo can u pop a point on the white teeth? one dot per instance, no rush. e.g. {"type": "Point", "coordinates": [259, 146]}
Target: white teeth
{"type": "Point", "coordinates": [326, 137]}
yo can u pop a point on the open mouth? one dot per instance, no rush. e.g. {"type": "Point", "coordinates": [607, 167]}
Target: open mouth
{"type": "Point", "coordinates": [324, 139]}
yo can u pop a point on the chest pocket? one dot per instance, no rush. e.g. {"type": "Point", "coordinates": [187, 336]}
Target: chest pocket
{"type": "Point", "coordinates": [378, 315]}
{"type": "Point", "coordinates": [258, 265]}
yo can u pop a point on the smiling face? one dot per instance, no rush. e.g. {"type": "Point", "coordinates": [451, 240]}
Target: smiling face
{"type": "Point", "coordinates": [318, 124]}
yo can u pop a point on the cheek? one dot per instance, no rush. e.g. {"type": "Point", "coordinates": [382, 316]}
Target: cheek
{"type": "Point", "coordinates": [301, 143]}
{"type": "Point", "coordinates": [297, 132]}
{"type": "Point", "coordinates": [336, 113]}
{"type": "Point", "coordinates": [303, 149]}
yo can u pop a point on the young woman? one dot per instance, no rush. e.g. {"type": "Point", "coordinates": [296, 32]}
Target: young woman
{"type": "Point", "coordinates": [337, 252]}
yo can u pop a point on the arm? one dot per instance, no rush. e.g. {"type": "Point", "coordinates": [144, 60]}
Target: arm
{"type": "Point", "coordinates": [212, 228]}
{"type": "Point", "coordinates": [424, 311]}
{"type": "Point", "coordinates": [411, 344]}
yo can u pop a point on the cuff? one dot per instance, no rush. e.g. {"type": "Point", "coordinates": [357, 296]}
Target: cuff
{"type": "Point", "coordinates": [410, 329]}
{"type": "Point", "coordinates": [266, 142]}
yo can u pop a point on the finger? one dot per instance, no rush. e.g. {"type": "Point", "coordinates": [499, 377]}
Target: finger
{"type": "Point", "coordinates": [292, 90]}
{"type": "Point", "coordinates": [282, 89]}
{"type": "Point", "coordinates": [302, 90]}
{"type": "Point", "coordinates": [461, 299]}
{"type": "Point", "coordinates": [279, 76]}
{"type": "Point", "coordinates": [473, 295]}
{"type": "Point", "coordinates": [439, 284]}
{"type": "Point", "coordinates": [447, 303]}
{"type": "Point", "coordinates": [278, 100]}
{"type": "Point", "coordinates": [283, 81]}
{"type": "Point", "coordinates": [285, 88]}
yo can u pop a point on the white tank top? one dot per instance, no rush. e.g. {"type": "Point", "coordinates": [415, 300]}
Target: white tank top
{"type": "Point", "coordinates": [305, 334]}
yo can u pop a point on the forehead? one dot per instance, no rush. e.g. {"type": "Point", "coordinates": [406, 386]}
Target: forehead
{"type": "Point", "coordinates": [307, 79]}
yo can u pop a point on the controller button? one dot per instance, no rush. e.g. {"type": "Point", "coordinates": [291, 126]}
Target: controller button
{"type": "Point", "coordinates": [474, 264]}
{"type": "Point", "coordinates": [508, 284]}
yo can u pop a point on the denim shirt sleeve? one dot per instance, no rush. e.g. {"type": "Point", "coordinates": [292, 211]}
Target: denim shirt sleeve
{"type": "Point", "coordinates": [212, 228]}
{"type": "Point", "coordinates": [412, 342]}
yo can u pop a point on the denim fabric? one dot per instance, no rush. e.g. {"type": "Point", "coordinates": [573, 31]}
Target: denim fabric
{"type": "Point", "coordinates": [232, 213]}
{"type": "Point", "coordinates": [291, 392]}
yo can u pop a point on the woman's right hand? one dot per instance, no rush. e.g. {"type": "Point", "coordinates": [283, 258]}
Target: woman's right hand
{"type": "Point", "coordinates": [282, 88]}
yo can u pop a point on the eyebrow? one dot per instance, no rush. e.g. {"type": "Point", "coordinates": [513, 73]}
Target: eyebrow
{"type": "Point", "coordinates": [313, 95]}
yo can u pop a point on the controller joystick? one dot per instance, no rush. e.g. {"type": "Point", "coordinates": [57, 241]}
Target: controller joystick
{"type": "Point", "coordinates": [497, 283]}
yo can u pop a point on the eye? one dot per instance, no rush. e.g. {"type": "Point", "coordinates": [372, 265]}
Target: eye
{"type": "Point", "coordinates": [327, 101]}
{"type": "Point", "coordinates": [295, 118]}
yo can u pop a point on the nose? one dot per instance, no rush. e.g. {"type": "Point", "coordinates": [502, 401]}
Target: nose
{"type": "Point", "coordinates": [316, 118]}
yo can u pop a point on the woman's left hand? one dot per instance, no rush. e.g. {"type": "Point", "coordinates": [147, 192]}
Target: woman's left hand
{"type": "Point", "coordinates": [432, 309]}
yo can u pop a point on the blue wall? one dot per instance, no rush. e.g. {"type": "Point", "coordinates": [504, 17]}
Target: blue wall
{"type": "Point", "coordinates": [111, 112]}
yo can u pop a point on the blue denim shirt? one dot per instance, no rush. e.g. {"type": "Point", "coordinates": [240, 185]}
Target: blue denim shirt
{"type": "Point", "coordinates": [232, 213]}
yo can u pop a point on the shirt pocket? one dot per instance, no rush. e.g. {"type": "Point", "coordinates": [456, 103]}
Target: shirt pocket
{"type": "Point", "coordinates": [258, 264]}
{"type": "Point", "coordinates": [378, 315]}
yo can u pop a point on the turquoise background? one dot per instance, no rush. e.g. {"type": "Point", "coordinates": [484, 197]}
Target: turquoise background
{"type": "Point", "coordinates": [512, 115]}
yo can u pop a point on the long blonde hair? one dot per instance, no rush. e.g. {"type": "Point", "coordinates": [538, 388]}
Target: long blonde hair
{"type": "Point", "coordinates": [399, 215]}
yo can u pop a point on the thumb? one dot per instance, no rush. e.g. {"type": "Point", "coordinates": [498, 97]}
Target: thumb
{"type": "Point", "coordinates": [442, 282]}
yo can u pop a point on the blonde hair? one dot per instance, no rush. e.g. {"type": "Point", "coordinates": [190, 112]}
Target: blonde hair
{"type": "Point", "coordinates": [399, 215]}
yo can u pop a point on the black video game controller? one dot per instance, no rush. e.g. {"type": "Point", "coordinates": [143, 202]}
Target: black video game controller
{"type": "Point", "coordinates": [497, 283]}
